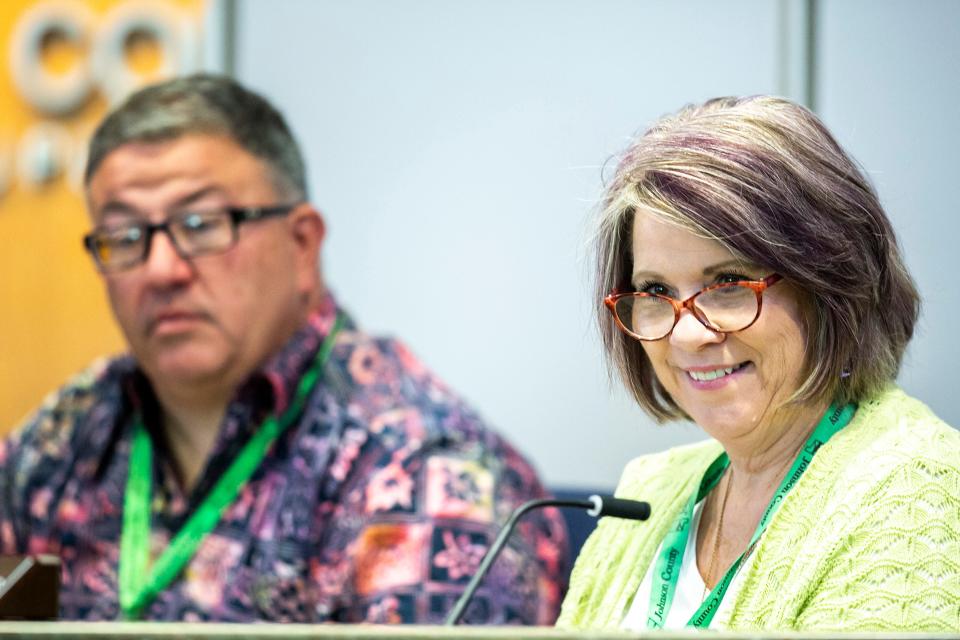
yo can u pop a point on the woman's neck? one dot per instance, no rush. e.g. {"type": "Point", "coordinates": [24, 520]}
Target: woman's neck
{"type": "Point", "coordinates": [757, 468]}
{"type": "Point", "coordinates": [767, 451]}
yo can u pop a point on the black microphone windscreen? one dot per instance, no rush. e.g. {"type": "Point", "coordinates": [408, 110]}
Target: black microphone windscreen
{"type": "Point", "coordinates": [621, 508]}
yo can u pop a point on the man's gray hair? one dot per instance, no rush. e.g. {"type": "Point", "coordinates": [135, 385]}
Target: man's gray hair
{"type": "Point", "coordinates": [205, 104]}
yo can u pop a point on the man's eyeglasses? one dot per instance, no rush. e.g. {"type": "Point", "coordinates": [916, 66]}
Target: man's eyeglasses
{"type": "Point", "coordinates": [724, 308]}
{"type": "Point", "coordinates": [193, 233]}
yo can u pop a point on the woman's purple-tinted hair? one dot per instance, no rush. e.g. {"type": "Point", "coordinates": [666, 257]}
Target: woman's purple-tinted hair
{"type": "Point", "coordinates": [764, 177]}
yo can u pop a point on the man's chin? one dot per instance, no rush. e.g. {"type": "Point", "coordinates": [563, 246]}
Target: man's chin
{"type": "Point", "coordinates": [192, 371]}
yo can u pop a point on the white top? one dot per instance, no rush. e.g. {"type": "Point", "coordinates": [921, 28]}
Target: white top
{"type": "Point", "coordinates": [690, 587]}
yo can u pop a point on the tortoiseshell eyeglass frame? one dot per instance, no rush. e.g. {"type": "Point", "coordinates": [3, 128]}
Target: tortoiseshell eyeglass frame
{"type": "Point", "coordinates": [758, 287]}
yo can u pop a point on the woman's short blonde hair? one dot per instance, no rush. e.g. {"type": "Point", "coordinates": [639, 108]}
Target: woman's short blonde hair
{"type": "Point", "coordinates": [764, 177]}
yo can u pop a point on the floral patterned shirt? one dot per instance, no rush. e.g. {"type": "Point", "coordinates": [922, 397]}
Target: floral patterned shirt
{"type": "Point", "coordinates": [376, 506]}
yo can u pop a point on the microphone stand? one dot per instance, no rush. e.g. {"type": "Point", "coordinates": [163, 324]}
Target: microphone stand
{"type": "Point", "coordinates": [595, 506]}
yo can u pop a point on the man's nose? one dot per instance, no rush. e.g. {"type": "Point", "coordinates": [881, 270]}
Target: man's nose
{"type": "Point", "coordinates": [164, 263]}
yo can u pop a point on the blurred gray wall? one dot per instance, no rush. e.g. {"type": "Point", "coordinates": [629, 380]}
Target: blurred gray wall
{"type": "Point", "coordinates": [456, 149]}
{"type": "Point", "coordinates": [889, 87]}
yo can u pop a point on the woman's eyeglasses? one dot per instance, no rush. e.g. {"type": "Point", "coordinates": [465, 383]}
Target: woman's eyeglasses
{"type": "Point", "coordinates": [724, 308]}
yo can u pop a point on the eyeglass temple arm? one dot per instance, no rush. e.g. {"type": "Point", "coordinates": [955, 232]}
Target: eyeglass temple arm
{"type": "Point", "coordinates": [246, 214]}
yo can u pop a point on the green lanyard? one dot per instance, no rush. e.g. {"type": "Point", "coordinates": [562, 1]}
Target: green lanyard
{"type": "Point", "coordinates": [140, 583]}
{"type": "Point", "coordinates": [667, 570]}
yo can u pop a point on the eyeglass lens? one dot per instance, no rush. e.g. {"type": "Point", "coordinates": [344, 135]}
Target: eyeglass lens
{"type": "Point", "coordinates": [193, 234]}
{"type": "Point", "coordinates": [728, 308]}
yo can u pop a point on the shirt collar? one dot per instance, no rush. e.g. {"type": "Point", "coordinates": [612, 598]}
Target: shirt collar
{"type": "Point", "coordinates": [283, 370]}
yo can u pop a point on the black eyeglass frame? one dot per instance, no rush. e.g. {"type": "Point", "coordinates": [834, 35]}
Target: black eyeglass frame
{"type": "Point", "coordinates": [238, 215]}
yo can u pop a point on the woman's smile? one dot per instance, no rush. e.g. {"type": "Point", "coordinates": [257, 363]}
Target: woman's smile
{"type": "Point", "coordinates": [711, 377]}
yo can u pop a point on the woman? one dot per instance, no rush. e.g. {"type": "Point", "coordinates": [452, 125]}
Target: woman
{"type": "Point", "coordinates": [752, 284]}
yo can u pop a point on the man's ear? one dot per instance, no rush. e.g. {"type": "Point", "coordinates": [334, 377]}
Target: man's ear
{"type": "Point", "coordinates": [308, 230]}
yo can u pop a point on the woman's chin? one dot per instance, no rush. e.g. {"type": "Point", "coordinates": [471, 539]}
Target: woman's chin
{"type": "Point", "coordinates": [726, 405]}
{"type": "Point", "coordinates": [725, 420]}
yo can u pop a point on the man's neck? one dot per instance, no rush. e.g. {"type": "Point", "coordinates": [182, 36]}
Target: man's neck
{"type": "Point", "coordinates": [191, 430]}
{"type": "Point", "coordinates": [192, 413]}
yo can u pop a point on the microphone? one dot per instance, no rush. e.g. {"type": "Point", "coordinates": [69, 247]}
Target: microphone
{"type": "Point", "coordinates": [595, 506]}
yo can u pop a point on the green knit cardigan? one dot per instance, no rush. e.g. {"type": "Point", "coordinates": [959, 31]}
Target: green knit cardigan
{"type": "Point", "coordinates": [868, 539]}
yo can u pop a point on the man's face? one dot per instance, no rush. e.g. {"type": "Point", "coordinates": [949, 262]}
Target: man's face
{"type": "Point", "coordinates": [210, 320]}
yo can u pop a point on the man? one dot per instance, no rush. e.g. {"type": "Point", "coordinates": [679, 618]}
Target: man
{"type": "Point", "coordinates": [255, 456]}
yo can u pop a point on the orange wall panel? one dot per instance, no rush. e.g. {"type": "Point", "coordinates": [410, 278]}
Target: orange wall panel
{"type": "Point", "coordinates": [54, 318]}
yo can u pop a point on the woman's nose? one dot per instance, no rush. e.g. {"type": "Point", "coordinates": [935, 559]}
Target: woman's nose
{"type": "Point", "coordinates": [690, 334]}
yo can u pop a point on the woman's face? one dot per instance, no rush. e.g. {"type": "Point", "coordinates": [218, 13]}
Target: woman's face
{"type": "Point", "coordinates": [692, 362]}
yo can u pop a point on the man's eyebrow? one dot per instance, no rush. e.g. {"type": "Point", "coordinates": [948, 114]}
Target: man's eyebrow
{"type": "Point", "coordinates": [120, 208]}
{"type": "Point", "coordinates": [193, 197]}
{"type": "Point", "coordinates": [117, 208]}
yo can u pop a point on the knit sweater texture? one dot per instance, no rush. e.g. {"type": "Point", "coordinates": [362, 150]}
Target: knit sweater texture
{"type": "Point", "coordinates": [867, 540]}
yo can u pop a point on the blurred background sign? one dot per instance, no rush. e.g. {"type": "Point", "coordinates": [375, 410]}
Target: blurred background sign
{"type": "Point", "coordinates": [64, 64]}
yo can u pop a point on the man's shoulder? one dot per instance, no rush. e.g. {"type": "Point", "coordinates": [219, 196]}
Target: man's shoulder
{"type": "Point", "coordinates": [373, 360]}
{"type": "Point", "coordinates": [402, 407]}
{"type": "Point", "coordinates": [384, 378]}
{"type": "Point", "coordinates": [102, 376]}
{"type": "Point", "coordinates": [63, 410]}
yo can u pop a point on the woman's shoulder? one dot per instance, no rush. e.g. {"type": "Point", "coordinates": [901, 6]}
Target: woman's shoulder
{"type": "Point", "coordinates": [667, 466]}
{"type": "Point", "coordinates": [892, 431]}
{"type": "Point", "coordinates": [877, 511]}
{"type": "Point", "coordinates": [894, 446]}
{"type": "Point", "coordinates": [614, 558]}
